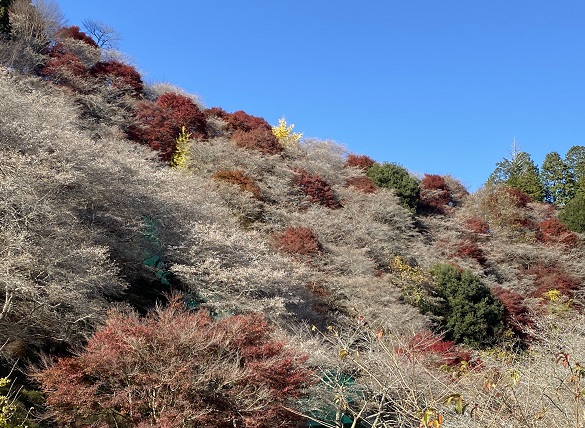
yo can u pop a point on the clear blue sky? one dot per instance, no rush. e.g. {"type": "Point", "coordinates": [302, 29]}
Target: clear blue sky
{"type": "Point", "coordinates": [439, 87]}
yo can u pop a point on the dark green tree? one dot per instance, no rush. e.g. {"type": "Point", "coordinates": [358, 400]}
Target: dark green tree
{"type": "Point", "coordinates": [4, 19]}
{"type": "Point", "coordinates": [558, 180]}
{"type": "Point", "coordinates": [521, 173]}
{"type": "Point", "coordinates": [573, 213]}
{"type": "Point", "coordinates": [469, 311]}
{"type": "Point", "coordinates": [575, 160]}
{"type": "Point", "coordinates": [394, 176]}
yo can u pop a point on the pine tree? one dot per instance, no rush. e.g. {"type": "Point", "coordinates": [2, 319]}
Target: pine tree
{"type": "Point", "coordinates": [573, 213]}
{"type": "Point", "coordinates": [575, 160]}
{"type": "Point", "coordinates": [521, 173]}
{"type": "Point", "coordinates": [558, 180]}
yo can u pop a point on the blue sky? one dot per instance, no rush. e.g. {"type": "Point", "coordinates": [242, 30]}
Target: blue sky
{"type": "Point", "coordinates": [440, 87]}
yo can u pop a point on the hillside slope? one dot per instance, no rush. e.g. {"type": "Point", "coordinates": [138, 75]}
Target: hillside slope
{"type": "Point", "coordinates": [98, 211]}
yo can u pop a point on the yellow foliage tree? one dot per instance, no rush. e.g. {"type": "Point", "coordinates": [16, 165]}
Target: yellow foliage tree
{"type": "Point", "coordinates": [285, 135]}
{"type": "Point", "coordinates": [180, 156]}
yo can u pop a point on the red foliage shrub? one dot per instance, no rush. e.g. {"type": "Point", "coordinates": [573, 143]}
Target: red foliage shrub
{"type": "Point", "coordinates": [426, 343]}
{"type": "Point", "coordinates": [318, 290]}
{"type": "Point", "coordinates": [434, 182]}
{"type": "Point", "coordinates": [183, 111]}
{"type": "Point", "coordinates": [553, 231]}
{"type": "Point", "coordinates": [119, 75]}
{"type": "Point", "coordinates": [297, 240]}
{"type": "Point", "coordinates": [516, 313]}
{"type": "Point", "coordinates": [240, 120]}
{"type": "Point", "coordinates": [159, 123]}
{"type": "Point", "coordinates": [239, 178]}
{"type": "Point", "coordinates": [519, 198]}
{"type": "Point", "coordinates": [176, 368]}
{"type": "Point", "coordinates": [477, 225]}
{"type": "Point", "coordinates": [260, 139]}
{"type": "Point", "coordinates": [363, 184]}
{"type": "Point", "coordinates": [359, 161]}
{"type": "Point", "coordinates": [470, 249]}
{"type": "Point", "coordinates": [547, 278]}
{"type": "Point", "coordinates": [217, 112]}
{"type": "Point", "coordinates": [316, 188]}
{"type": "Point", "coordinates": [75, 33]}
{"type": "Point", "coordinates": [434, 194]}
{"type": "Point", "coordinates": [61, 65]}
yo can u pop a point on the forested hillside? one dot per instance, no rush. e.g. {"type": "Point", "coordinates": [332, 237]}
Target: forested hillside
{"type": "Point", "coordinates": [169, 264]}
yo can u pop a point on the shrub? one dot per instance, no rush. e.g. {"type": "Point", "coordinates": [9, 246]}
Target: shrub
{"type": "Point", "coordinates": [61, 66]}
{"type": "Point", "coordinates": [443, 352]}
{"type": "Point", "coordinates": [173, 368]}
{"type": "Point", "coordinates": [516, 313]}
{"type": "Point", "coordinates": [505, 209]}
{"type": "Point", "coordinates": [363, 184]}
{"type": "Point", "coordinates": [553, 231]}
{"type": "Point", "coordinates": [548, 278]}
{"type": "Point", "coordinates": [297, 240]}
{"type": "Point", "coordinates": [260, 139]}
{"type": "Point", "coordinates": [434, 194]}
{"type": "Point", "coordinates": [518, 198]}
{"type": "Point", "coordinates": [477, 225]}
{"type": "Point", "coordinates": [316, 188]}
{"type": "Point", "coordinates": [75, 33]}
{"type": "Point", "coordinates": [119, 75]}
{"type": "Point", "coordinates": [239, 178]}
{"type": "Point", "coordinates": [573, 213]}
{"type": "Point", "coordinates": [359, 161]}
{"type": "Point", "coordinates": [470, 249]}
{"type": "Point", "coordinates": [240, 120]}
{"type": "Point", "coordinates": [469, 312]}
{"type": "Point", "coordinates": [393, 176]}
{"type": "Point", "coordinates": [159, 123]}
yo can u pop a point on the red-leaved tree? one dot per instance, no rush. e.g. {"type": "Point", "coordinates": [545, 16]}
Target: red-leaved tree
{"type": "Point", "coordinates": [176, 368]}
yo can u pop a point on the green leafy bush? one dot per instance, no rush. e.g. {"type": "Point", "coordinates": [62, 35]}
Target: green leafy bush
{"type": "Point", "coordinates": [573, 214]}
{"type": "Point", "coordinates": [393, 176]}
{"type": "Point", "coordinates": [468, 310]}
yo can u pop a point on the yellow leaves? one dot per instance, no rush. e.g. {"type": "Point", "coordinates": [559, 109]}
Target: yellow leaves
{"type": "Point", "coordinates": [180, 156]}
{"type": "Point", "coordinates": [285, 135]}
{"type": "Point", "coordinates": [343, 353]}
{"type": "Point", "coordinates": [552, 295]}
{"type": "Point", "coordinates": [428, 419]}
{"type": "Point", "coordinates": [407, 271]}
{"type": "Point", "coordinates": [7, 407]}
{"type": "Point", "coordinates": [458, 403]}
{"type": "Point", "coordinates": [514, 376]}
